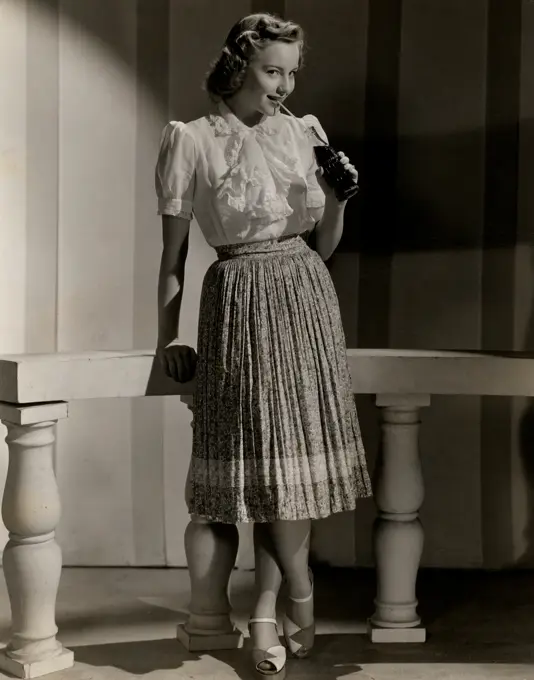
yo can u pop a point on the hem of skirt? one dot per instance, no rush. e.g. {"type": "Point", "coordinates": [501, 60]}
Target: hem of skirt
{"type": "Point", "coordinates": [275, 516]}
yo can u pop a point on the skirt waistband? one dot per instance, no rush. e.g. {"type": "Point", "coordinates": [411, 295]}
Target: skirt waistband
{"type": "Point", "coordinates": [285, 244]}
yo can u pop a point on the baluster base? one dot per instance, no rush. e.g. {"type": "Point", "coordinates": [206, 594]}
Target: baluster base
{"type": "Point", "coordinates": [209, 641]}
{"type": "Point", "coordinates": [404, 635]}
{"type": "Point", "coordinates": [35, 669]}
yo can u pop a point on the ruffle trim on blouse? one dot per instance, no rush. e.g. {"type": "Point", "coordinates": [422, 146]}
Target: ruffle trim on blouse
{"type": "Point", "coordinates": [260, 172]}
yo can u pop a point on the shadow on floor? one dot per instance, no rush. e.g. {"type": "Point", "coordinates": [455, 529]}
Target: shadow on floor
{"type": "Point", "coordinates": [471, 618]}
{"type": "Point", "coordinates": [335, 656]}
{"type": "Point", "coordinates": [116, 616]}
{"type": "Point", "coordinates": [140, 658]}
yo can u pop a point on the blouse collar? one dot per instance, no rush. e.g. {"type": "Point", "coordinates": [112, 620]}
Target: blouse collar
{"type": "Point", "coordinates": [225, 122]}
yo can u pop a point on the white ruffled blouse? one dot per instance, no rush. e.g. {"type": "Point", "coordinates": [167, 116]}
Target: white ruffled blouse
{"type": "Point", "coordinates": [241, 183]}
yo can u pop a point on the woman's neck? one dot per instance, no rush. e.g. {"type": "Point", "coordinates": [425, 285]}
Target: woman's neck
{"type": "Point", "coordinates": [243, 113]}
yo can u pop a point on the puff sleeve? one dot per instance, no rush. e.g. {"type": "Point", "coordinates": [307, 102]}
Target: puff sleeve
{"type": "Point", "coordinates": [315, 198]}
{"type": "Point", "coordinates": [175, 171]}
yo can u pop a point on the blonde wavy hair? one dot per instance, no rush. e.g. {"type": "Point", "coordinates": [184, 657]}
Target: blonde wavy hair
{"type": "Point", "coordinates": [246, 38]}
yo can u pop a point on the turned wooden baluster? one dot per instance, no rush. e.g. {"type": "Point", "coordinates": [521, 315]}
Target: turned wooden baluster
{"type": "Point", "coordinates": [397, 534]}
{"type": "Point", "coordinates": [211, 551]}
{"type": "Point", "coordinates": [32, 558]}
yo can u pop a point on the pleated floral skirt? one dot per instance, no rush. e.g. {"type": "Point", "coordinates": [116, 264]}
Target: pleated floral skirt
{"type": "Point", "coordinates": [275, 428]}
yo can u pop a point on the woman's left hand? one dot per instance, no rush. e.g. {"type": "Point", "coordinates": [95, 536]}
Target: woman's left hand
{"type": "Point", "coordinates": [348, 165]}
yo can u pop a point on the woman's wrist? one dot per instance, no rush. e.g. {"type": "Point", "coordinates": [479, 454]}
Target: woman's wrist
{"type": "Point", "coordinates": [333, 212]}
{"type": "Point", "coordinates": [333, 204]}
{"type": "Point", "coordinates": [163, 342]}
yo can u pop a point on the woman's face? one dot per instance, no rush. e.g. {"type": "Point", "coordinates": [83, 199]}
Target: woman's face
{"type": "Point", "coordinates": [270, 78]}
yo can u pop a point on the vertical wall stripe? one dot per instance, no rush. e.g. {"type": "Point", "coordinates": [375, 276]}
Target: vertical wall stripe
{"type": "Point", "coordinates": [372, 221]}
{"type": "Point", "coordinates": [523, 413]}
{"type": "Point", "coordinates": [375, 233]}
{"type": "Point", "coordinates": [436, 269]}
{"type": "Point", "coordinates": [13, 190]}
{"type": "Point", "coordinates": [277, 7]}
{"type": "Point", "coordinates": [152, 71]}
{"type": "Point", "coordinates": [42, 176]}
{"type": "Point", "coordinates": [97, 186]}
{"type": "Point", "coordinates": [13, 173]}
{"type": "Point", "coordinates": [500, 239]}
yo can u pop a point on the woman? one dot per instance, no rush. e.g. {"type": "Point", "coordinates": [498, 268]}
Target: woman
{"type": "Point", "coordinates": [276, 436]}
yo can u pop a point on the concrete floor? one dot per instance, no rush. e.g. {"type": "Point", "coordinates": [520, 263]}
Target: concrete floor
{"type": "Point", "coordinates": [121, 623]}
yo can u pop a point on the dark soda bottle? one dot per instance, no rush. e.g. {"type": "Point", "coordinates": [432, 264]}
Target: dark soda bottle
{"type": "Point", "coordinates": [336, 175]}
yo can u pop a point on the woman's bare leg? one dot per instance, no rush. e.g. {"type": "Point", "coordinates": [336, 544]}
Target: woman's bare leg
{"type": "Point", "coordinates": [292, 545]}
{"type": "Point", "coordinates": [268, 579]}
{"type": "Point", "coordinates": [281, 548]}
